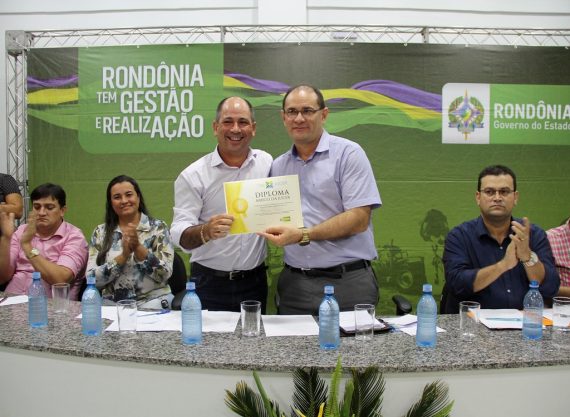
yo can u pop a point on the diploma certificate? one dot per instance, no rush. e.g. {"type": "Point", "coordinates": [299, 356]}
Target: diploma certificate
{"type": "Point", "coordinates": [263, 202]}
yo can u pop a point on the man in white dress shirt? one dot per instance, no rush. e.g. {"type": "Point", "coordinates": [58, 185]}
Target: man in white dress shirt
{"type": "Point", "coordinates": [227, 269]}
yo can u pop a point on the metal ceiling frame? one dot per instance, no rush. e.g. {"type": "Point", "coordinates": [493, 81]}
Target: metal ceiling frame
{"type": "Point", "coordinates": [19, 42]}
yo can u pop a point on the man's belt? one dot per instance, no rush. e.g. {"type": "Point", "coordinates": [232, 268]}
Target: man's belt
{"type": "Point", "coordinates": [230, 275]}
{"type": "Point", "coordinates": [333, 271]}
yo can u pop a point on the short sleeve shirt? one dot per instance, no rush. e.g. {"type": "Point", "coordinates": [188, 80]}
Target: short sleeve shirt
{"type": "Point", "coordinates": [66, 247]}
{"type": "Point", "coordinates": [559, 239]}
{"type": "Point", "coordinates": [336, 178]}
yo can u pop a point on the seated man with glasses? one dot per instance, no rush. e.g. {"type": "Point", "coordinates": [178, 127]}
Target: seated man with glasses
{"type": "Point", "coordinates": [338, 194]}
{"type": "Point", "coordinates": [492, 258]}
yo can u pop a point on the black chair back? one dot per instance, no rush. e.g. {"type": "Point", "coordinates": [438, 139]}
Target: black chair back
{"type": "Point", "coordinates": [443, 300]}
{"type": "Point", "coordinates": [177, 281]}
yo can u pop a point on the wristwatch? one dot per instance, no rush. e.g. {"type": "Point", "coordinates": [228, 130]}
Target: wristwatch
{"type": "Point", "coordinates": [305, 239]}
{"type": "Point", "coordinates": [533, 260]}
{"type": "Point", "coordinates": [33, 253]}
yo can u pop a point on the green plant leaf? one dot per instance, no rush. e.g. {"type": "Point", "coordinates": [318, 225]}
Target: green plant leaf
{"type": "Point", "coordinates": [368, 392]}
{"type": "Point", "coordinates": [362, 397]}
{"type": "Point", "coordinates": [271, 407]}
{"type": "Point", "coordinates": [245, 402]}
{"type": "Point", "coordinates": [433, 403]}
{"type": "Point", "coordinates": [331, 408]}
{"type": "Point", "coordinates": [347, 401]}
{"type": "Point", "coordinates": [310, 392]}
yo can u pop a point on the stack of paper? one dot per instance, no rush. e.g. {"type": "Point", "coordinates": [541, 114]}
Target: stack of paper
{"type": "Point", "coordinates": [17, 299]}
{"type": "Point", "coordinates": [406, 324]}
{"type": "Point", "coordinates": [302, 325]}
{"type": "Point", "coordinates": [507, 318]}
{"type": "Point", "coordinates": [171, 321]}
{"type": "Point", "coordinates": [347, 322]}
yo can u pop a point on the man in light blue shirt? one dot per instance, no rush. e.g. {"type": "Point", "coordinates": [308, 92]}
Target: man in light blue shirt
{"type": "Point", "coordinates": [338, 194]}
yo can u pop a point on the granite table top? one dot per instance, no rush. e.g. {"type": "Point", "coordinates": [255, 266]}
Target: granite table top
{"type": "Point", "coordinates": [393, 352]}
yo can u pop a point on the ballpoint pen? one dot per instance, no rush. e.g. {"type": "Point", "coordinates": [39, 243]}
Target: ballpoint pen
{"type": "Point", "coordinates": [503, 318]}
{"type": "Point", "coordinates": [155, 313]}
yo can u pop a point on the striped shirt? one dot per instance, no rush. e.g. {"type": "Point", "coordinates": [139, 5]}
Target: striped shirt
{"type": "Point", "coordinates": [559, 238]}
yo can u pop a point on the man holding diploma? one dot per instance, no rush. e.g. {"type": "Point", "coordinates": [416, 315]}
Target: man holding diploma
{"type": "Point", "coordinates": [338, 193]}
{"type": "Point", "coordinates": [227, 269]}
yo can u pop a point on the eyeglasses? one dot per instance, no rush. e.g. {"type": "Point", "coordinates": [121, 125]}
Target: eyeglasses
{"type": "Point", "coordinates": [491, 192]}
{"type": "Point", "coordinates": [306, 112]}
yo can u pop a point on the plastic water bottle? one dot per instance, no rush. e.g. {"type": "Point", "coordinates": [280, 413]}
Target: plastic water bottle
{"type": "Point", "coordinates": [329, 329]}
{"type": "Point", "coordinates": [37, 302]}
{"type": "Point", "coordinates": [191, 316]}
{"type": "Point", "coordinates": [532, 316]}
{"type": "Point", "coordinates": [426, 334]}
{"type": "Point", "coordinates": [91, 309]}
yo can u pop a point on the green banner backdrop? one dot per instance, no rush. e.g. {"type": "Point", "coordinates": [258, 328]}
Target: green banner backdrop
{"type": "Point", "coordinates": [430, 117]}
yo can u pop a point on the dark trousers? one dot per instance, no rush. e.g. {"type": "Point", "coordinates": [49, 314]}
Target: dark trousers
{"type": "Point", "coordinates": [218, 293]}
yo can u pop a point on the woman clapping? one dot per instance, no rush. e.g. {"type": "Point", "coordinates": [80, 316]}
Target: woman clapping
{"type": "Point", "coordinates": [131, 253]}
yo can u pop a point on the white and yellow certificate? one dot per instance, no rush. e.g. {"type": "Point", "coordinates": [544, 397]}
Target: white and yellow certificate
{"type": "Point", "coordinates": [263, 202]}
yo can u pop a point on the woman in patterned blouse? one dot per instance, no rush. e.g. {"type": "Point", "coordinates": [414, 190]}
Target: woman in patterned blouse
{"type": "Point", "coordinates": [131, 253]}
